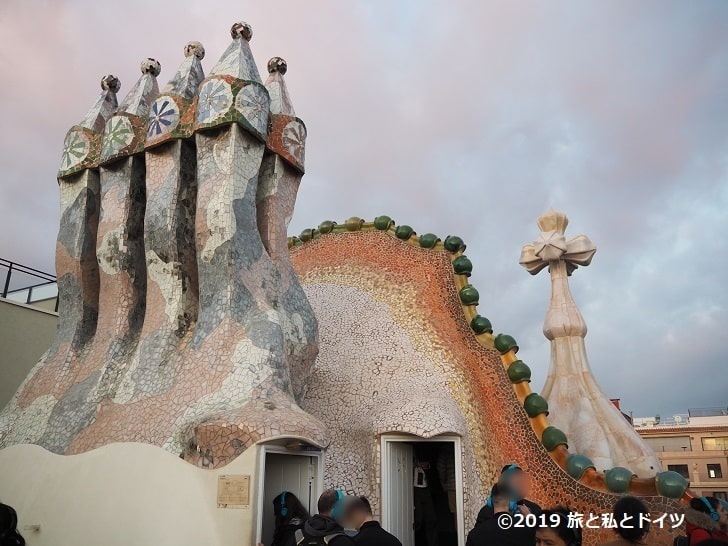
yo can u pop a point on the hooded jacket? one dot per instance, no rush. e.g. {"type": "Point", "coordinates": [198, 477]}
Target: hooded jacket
{"type": "Point", "coordinates": [319, 527]}
{"type": "Point", "coordinates": [700, 526]}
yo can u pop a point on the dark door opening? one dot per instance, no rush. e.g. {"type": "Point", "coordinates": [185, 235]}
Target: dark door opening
{"type": "Point", "coordinates": [434, 493]}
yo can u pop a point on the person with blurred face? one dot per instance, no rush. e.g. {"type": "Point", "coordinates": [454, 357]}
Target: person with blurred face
{"type": "Point", "coordinates": [517, 483]}
{"type": "Point", "coordinates": [324, 528]}
{"type": "Point", "coordinates": [358, 515]}
{"type": "Point", "coordinates": [496, 529]}
{"type": "Point", "coordinates": [517, 480]}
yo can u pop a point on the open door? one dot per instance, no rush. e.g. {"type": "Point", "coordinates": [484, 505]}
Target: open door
{"type": "Point", "coordinates": [297, 474]}
{"type": "Point", "coordinates": [398, 504]}
{"type": "Point", "coordinates": [436, 507]}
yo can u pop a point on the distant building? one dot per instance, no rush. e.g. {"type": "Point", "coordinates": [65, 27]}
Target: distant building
{"type": "Point", "coordinates": [28, 320]}
{"type": "Point", "coordinates": [694, 445]}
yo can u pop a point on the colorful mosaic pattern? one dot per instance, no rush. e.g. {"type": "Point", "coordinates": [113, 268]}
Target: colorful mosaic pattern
{"type": "Point", "coordinates": [163, 118]}
{"type": "Point", "coordinates": [82, 146]}
{"type": "Point", "coordinates": [392, 310]}
{"type": "Point", "coordinates": [172, 115]}
{"type": "Point", "coordinates": [287, 138]}
{"type": "Point", "coordinates": [126, 130]}
{"type": "Point", "coordinates": [287, 133]}
{"type": "Point", "coordinates": [185, 322]}
{"type": "Point", "coordinates": [75, 149]}
{"type": "Point", "coordinates": [204, 338]}
{"type": "Point", "coordinates": [225, 99]}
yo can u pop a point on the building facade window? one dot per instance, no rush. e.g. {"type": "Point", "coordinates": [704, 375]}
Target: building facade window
{"type": "Point", "coordinates": [716, 443]}
{"type": "Point", "coordinates": [714, 471]}
{"type": "Point", "coordinates": [720, 495]}
{"type": "Point", "coordinates": [681, 469]}
{"type": "Point", "coordinates": [669, 443]}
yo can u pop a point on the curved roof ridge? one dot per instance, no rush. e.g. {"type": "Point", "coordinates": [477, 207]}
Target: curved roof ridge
{"type": "Point", "coordinates": [616, 480]}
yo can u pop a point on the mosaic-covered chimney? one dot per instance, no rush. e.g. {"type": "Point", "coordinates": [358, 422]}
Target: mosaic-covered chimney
{"type": "Point", "coordinates": [182, 322]}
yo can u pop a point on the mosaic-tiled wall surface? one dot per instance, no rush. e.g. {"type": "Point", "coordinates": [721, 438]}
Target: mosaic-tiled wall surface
{"type": "Point", "coordinates": [182, 322]}
{"type": "Point", "coordinates": [186, 322]}
{"type": "Point", "coordinates": [398, 355]}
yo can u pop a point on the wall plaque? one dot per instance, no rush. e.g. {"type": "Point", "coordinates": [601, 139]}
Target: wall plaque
{"type": "Point", "coordinates": [233, 491]}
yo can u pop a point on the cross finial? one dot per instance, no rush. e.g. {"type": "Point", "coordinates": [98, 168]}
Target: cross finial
{"type": "Point", "coordinates": [579, 407]}
{"type": "Point", "coordinates": [551, 246]}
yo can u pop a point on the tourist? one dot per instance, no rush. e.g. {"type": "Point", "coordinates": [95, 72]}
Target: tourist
{"type": "Point", "coordinates": [290, 515]}
{"type": "Point", "coordinates": [556, 530]}
{"type": "Point", "coordinates": [425, 514]}
{"type": "Point", "coordinates": [519, 483]}
{"type": "Point", "coordinates": [633, 522]}
{"type": "Point", "coordinates": [497, 529]}
{"type": "Point", "coordinates": [9, 535]}
{"type": "Point", "coordinates": [358, 515]}
{"type": "Point", "coordinates": [323, 528]}
{"type": "Point", "coordinates": [704, 517]}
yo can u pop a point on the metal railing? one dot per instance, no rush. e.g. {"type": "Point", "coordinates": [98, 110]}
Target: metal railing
{"type": "Point", "coordinates": [22, 292]}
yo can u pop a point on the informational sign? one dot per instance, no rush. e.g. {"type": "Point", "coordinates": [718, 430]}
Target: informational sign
{"type": "Point", "coordinates": [233, 491]}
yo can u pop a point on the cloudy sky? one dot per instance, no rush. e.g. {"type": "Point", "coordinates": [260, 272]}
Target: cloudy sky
{"type": "Point", "coordinates": [456, 117]}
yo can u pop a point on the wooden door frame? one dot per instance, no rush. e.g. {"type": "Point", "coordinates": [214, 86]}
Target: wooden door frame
{"type": "Point", "coordinates": [280, 450]}
{"type": "Point", "coordinates": [387, 439]}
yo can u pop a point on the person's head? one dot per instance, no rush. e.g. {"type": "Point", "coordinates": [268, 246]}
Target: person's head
{"type": "Point", "coordinates": [8, 526]}
{"type": "Point", "coordinates": [500, 497]}
{"type": "Point", "coordinates": [287, 507]}
{"type": "Point", "coordinates": [357, 512]}
{"type": "Point", "coordinates": [517, 480]}
{"type": "Point", "coordinates": [555, 529]}
{"type": "Point", "coordinates": [8, 518]}
{"type": "Point", "coordinates": [712, 507]}
{"type": "Point", "coordinates": [632, 518]}
{"type": "Point", "coordinates": [331, 503]}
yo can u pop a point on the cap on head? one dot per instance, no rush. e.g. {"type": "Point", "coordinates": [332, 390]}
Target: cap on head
{"type": "Point", "coordinates": [196, 49]}
{"type": "Point", "coordinates": [110, 83]}
{"type": "Point", "coordinates": [509, 468]}
{"type": "Point", "coordinates": [241, 29]}
{"type": "Point", "coordinates": [151, 66]}
{"type": "Point", "coordinates": [277, 64]}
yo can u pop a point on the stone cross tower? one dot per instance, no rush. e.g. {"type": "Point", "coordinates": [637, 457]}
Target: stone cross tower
{"type": "Point", "coordinates": [581, 409]}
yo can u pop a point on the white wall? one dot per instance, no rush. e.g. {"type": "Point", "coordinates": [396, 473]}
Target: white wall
{"type": "Point", "coordinates": [123, 494]}
{"type": "Point", "coordinates": [26, 332]}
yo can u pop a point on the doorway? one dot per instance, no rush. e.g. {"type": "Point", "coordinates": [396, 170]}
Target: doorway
{"type": "Point", "coordinates": [422, 499]}
{"type": "Point", "coordinates": [299, 473]}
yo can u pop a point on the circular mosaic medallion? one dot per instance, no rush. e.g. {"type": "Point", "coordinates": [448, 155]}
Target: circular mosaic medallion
{"type": "Point", "coordinates": [214, 101]}
{"type": "Point", "coordinates": [118, 135]}
{"type": "Point", "coordinates": [253, 102]}
{"type": "Point", "coordinates": [75, 149]}
{"type": "Point", "coordinates": [163, 117]}
{"type": "Point", "coordinates": [294, 139]}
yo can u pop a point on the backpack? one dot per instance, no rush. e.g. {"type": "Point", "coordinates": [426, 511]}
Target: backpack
{"type": "Point", "coordinates": [303, 540]}
{"type": "Point", "coordinates": [10, 536]}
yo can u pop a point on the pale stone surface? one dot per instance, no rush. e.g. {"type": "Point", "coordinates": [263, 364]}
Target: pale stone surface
{"type": "Point", "coordinates": [578, 406]}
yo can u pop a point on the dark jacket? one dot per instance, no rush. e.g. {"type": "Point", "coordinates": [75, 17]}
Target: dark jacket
{"type": "Point", "coordinates": [9, 535]}
{"type": "Point", "coordinates": [283, 534]}
{"type": "Point", "coordinates": [487, 511]}
{"type": "Point", "coordinates": [699, 526]}
{"type": "Point", "coordinates": [372, 534]}
{"type": "Point", "coordinates": [487, 531]}
{"type": "Point", "coordinates": [319, 527]}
